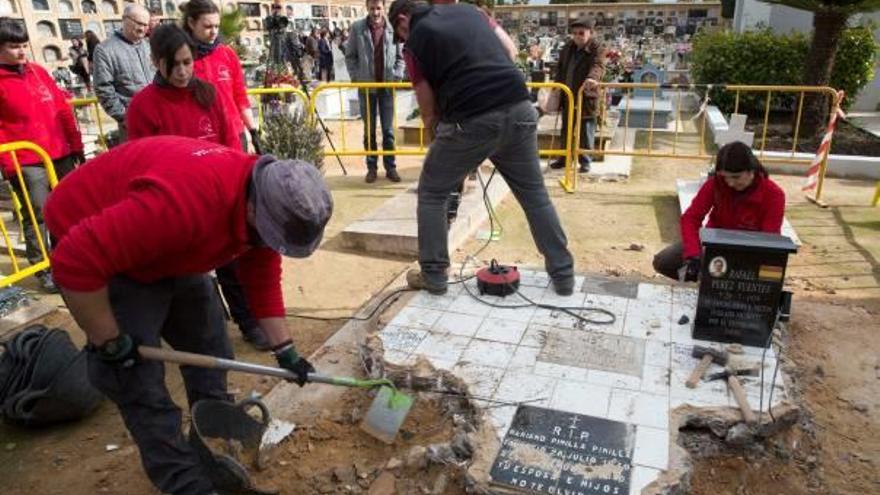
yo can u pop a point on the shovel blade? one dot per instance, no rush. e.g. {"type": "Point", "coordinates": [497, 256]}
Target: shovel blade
{"type": "Point", "coordinates": [386, 414]}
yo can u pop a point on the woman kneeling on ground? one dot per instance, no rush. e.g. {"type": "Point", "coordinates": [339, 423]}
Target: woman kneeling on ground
{"type": "Point", "coordinates": [740, 196]}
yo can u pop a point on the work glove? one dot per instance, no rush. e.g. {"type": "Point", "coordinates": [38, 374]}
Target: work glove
{"type": "Point", "coordinates": [690, 271]}
{"type": "Point", "coordinates": [287, 357]}
{"type": "Point", "coordinates": [78, 157]}
{"type": "Point", "coordinates": [255, 139]}
{"type": "Point", "coordinates": [121, 351]}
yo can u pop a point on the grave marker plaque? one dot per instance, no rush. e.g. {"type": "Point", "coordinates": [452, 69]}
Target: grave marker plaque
{"type": "Point", "coordinates": [740, 285]}
{"type": "Point", "coordinates": [554, 452]}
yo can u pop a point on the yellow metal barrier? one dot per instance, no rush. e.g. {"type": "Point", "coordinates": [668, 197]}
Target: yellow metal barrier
{"type": "Point", "coordinates": [93, 103]}
{"type": "Point", "coordinates": [277, 91]}
{"type": "Point", "coordinates": [569, 178]}
{"type": "Point", "coordinates": [19, 273]}
{"type": "Point", "coordinates": [703, 152]}
{"type": "Point", "coordinates": [876, 195]}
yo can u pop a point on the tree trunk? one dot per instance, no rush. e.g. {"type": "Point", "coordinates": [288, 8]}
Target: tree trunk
{"type": "Point", "coordinates": [828, 27]}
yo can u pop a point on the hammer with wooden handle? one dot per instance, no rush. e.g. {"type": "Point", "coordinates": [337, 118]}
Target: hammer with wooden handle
{"type": "Point", "coordinates": [706, 355]}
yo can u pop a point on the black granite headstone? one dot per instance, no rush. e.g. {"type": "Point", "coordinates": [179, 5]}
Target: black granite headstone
{"type": "Point", "coordinates": [555, 452]}
{"type": "Point", "coordinates": [740, 285]}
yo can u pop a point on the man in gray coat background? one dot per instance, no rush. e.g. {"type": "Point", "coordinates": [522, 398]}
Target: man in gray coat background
{"type": "Point", "coordinates": [371, 55]}
{"type": "Point", "coordinates": [122, 64]}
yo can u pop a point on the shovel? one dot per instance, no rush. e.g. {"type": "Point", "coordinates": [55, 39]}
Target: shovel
{"type": "Point", "coordinates": [383, 419]}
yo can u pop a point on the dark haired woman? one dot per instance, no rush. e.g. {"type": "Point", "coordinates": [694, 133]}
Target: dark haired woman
{"type": "Point", "coordinates": [92, 41]}
{"type": "Point", "coordinates": [79, 56]}
{"type": "Point", "coordinates": [33, 108]}
{"type": "Point", "coordinates": [740, 196]}
{"type": "Point", "coordinates": [218, 64]}
{"type": "Point", "coordinates": [176, 103]}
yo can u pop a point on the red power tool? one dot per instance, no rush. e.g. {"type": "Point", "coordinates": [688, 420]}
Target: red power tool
{"type": "Point", "coordinates": [498, 280]}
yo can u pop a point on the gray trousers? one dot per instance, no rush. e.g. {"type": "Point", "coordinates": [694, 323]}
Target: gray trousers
{"type": "Point", "coordinates": [37, 182]}
{"type": "Point", "coordinates": [508, 137]}
{"type": "Point", "coordinates": [186, 313]}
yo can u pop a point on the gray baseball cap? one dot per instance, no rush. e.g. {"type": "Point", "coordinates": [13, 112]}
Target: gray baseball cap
{"type": "Point", "coordinates": [292, 205]}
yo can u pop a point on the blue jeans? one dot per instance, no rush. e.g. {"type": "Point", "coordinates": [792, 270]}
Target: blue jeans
{"type": "Point", "coordinates": [383, 100]}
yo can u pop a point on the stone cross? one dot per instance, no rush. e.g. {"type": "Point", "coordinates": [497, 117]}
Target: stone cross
{"type": "Point", "coordinates": [736, 131]}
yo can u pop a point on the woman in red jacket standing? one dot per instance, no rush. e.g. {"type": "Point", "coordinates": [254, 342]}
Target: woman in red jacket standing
{"type": "Point", "coordinates": [176, 103]}
{"type": "Point", "coordinates": [218, 64]}
{"type": "Point", "coordinates": [740, 196]}
{"type": "Point", "coordinates": [33, 108]}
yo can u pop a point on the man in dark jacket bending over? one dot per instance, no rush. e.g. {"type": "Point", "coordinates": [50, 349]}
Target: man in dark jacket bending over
{"type": "Point", "coordinates": [476, 101]}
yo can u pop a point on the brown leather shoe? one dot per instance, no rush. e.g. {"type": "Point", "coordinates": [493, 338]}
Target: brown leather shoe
{"type": "Point", "coordinates": [371, 177]}
{"type": "Point", "coordinates": [392, 175]}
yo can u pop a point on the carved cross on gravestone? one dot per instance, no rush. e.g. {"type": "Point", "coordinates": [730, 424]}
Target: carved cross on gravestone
{"type": "Point", "coordinates": [736, 131]}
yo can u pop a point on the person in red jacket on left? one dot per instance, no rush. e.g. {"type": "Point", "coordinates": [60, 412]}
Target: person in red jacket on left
{"type": "Point", "coordinates": [33, 108]}
{"type": "Point", "coordinates": [176, 103]}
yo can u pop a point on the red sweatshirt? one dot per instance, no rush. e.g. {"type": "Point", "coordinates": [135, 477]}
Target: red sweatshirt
{"type": "Point", "coordinates": [761, 207]}
{"type": "Point", "coordinates": [166, 110]}
{"type": "Point", "coordinates": [33, 108]}
{"type": "Point", "coordinates": [222, 69]}
{"type": "Point", "coordinates": [160, 207]}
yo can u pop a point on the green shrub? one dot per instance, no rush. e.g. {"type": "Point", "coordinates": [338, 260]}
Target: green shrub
{"type": "Point", "coordinates": [854, 62]}
{"type": "Point", "coordinates": [764, 58]}
{"type": "Point", "coordinates": [752, 57]}
{"type": "Point", "coordinates": [289, 134]}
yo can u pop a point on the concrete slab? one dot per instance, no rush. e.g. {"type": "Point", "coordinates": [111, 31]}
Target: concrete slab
{"type": "Point", "coordinates": [687, 190]}
{"type": "Point", "coordinates": [628, 373]}
{"type": "Point", "coordinates": [392, 229]}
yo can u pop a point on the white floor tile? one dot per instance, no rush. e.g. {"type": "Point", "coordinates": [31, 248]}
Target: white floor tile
{"type": "Point", "coordinates": [575, 300]}
{"type": "Point", "coordinates": [655, 380]}
{"type": "Point", "coordinates": [523, 314]}
{"type": "Point", "coordinates": [442, 364]}
{"type": "Point", "coordinates": [639, 408]}
{"type": "Point", "coordinates": [560, 371]}
{"type": "Point", "coordinates": [500, 417]}
{"type": "Point", "coordinates": [647, 321]}
{"type": "Point", "coordinates": [488, 353]}
{"type": "Point", "coordinates": [712, 393]}
{"type": "Point", "coordinates": [616, 305]}
{"type": "Point", "coordinates": [501, 330]}
{"type": "Point", "coordinates": [465, 304]}
{"type": "Point", "coordinates": [442, 346]}
{"type": "Point", "coordinates": [533, 278]}
{"type": "Point", "coordinates": [614, 380]}
{"type": "Point", "coordinates": [675, 402]}
{"type": "Point", "coordinates": [413, 317]}
{"type": "Point", "coordinates": [401, 339]}
{"type": "Point", "coordinates": [524, 359]}
{"type": "Point", "coordinates": [652, 447]}
{"type": "Point", "coordinates": [399, 358]}
{"type": "Point", "coordinates": [536, 335]}
{"type": "Point", "coordinates": [657, 353]}
{"type": "Point", "coordinates": [457, 324]}
{"type": "Point", "coordinates": [482, 380]}
{"type": "Point", "coordinates": [426, 300]}
{"type": "Point", "coordinates": [655, 292]}
{"type": "Point", "coordinates": [581, 398]}
{"type": "Point", "coordinates": [640, 478]}
{"type": "Point", "coordinates": [517, 387]}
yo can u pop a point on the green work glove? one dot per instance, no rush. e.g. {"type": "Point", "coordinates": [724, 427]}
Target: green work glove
{"type": "Point", "coordinates": [287, 357]}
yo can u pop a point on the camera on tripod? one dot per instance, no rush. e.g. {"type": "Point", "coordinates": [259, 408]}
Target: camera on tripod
{"type": "Point", "coordinates": [276, 22]}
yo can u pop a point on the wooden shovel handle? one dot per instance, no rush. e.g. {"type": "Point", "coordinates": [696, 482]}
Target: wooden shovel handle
{"type": "Point", "coordinates": [179, 357]}
{"type": "Point", "coordinates": [740, 395]}
{"type": "Point", "coordinates": [699, 371]}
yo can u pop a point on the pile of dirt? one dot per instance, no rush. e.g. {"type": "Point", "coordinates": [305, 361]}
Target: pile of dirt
{"type": "Point", "coordinates": [333, 455]}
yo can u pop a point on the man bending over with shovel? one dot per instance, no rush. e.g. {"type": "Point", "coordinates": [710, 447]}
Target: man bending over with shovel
{"type": "Point", "coordinates": [139, 227]}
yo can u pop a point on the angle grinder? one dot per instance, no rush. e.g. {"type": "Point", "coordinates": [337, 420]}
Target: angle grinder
{"type": "Point", "coordinates": [497, 279]}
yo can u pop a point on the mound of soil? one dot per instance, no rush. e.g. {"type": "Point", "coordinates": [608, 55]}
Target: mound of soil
{"type": "Point", "coordinates": [848, 139]}
{"type": "Point", "coordinates": [334, 455]}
